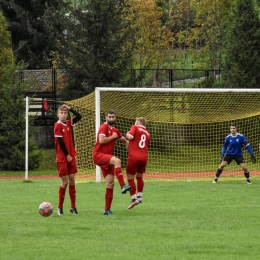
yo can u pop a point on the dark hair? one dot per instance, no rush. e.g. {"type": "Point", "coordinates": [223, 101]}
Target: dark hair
{"type": "Point", "coordinates": [233, 124]}
{"type": "Point", "coordinates": [110, 111]}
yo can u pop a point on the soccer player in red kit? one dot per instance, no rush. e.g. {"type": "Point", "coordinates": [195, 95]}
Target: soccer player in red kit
{"type": "Point", "coordinates": [65, 156]}
{"type": "Point", "coordinates": [104, 158]}
{"type": "Point", "coordinates": [139, 140]}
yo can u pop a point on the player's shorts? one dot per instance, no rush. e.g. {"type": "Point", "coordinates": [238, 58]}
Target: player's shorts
{"type": "Point", "coordinates": [102, 160]}
{"type": "Point", "coordinates": [229, 158]}
{"type": "Point", "coordinates": [135, 166]}
{"type": "Point", "coordinates": [110, 169]}
{"type": "Point", "coordinates": [66, 168]}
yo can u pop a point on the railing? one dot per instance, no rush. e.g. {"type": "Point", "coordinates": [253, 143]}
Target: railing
{"type": "Point", "coordinates": [169, 77]}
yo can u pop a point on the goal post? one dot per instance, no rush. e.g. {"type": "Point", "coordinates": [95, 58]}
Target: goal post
{"type": "Point", "coordinates": [98, 119]}
{"type": "Point", "coordinates": [187, 127]}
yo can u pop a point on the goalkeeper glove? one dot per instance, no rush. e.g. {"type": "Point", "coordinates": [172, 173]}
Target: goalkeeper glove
{"type": "Point", "coordinates": [253, 159]}
{"type": "Point", "coordinates": [222, 157]}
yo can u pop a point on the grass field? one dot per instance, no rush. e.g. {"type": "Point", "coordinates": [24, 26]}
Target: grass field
{"type": "Point", "coordinates": [177, 220]}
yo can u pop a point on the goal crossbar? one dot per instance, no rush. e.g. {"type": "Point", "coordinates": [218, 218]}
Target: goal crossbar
{"type": "Point", "coordinates": [180, 90]}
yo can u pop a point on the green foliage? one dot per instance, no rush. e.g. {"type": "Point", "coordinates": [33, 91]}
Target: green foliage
{"type": "Point", "coordinates": [242, 47]}
{"type": "Point", "coordinates": [194, 220]}
{"type": "Point", "coordinates": [209, 25]}
{"type": "Point", "coordinates": [96, 42]}
{"type": "Point", "coordinates": [99, 40]}
{"type": "Point", "coordinates": [6, 55]}
{"type": "Point", "coordinates": [12, 124]}
{"type": "Point", "coordinates": [12, 111]}
{"type": "Point", "coordinates": [49, 161]}
{"type": "Point", "coordinates": [35, 26]}
{"type": "Point", "coordinates": [35, 156]}
{"type": "Point", "coordinates": [150, 38]}
{"type": "Point", "coordinates": [207, 83]}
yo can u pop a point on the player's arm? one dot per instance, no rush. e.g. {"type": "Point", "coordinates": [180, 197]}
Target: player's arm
{"type": "Point", "coordinates": [77, 115]}
{"type": "Point", "coordinates": [247, 146]}
{"type": "Point", "coordinates": [223, 150]}
{"type": "Point", "coordinates": [129, 136]}
{"type": "Point", "coordinates": [125, 142]}
{"type": "Point", "coordinates": [62, 145]}
{"type": "Point", "coordinates": [250, 150]}
{"type": "Point", "coordinates": [106, 139]}
{"type": "Point", "coordinates": [63, 148]}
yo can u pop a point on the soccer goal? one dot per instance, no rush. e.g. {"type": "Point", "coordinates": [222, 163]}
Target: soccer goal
{"type": "Point", "coordinates": [187, 127]}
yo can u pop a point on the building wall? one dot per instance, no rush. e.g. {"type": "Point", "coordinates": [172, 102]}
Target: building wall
{"type": "Point", "coordinates": [44, 137]}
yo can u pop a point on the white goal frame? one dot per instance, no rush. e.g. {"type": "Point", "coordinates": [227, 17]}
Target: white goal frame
{"type": "Point", "coordinates": [177, 90]}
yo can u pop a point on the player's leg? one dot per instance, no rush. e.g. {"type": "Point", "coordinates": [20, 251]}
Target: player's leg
{"type": "Point", "coordinates": [246, 172]}
{"type": "Point", "coordinates": [109, 179]}
{"type": "Point", "coordinates": [140, 181]}
{"type": "Point", "coordinates": [72, 186]}
{"type": "Point", "coordinates": [118, 172]}
{"type": "Point", "coordinates": [63, 174]}
{"type": "Point", "coordinates": [227, 159]}
{"type": "Point", "coordinates": [131, 169]}
{"type": "Point", "coordinates": [140, 187]}
{"type": "Point", "coordinates": [131, 182]}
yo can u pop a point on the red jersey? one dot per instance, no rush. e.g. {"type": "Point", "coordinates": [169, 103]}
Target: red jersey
{"type": "Point", "coordinates": [106, 130]}
{"type": "Point", "coordinates": [65, 131]}
{"type": "Point", "coordinates": [138, 146]}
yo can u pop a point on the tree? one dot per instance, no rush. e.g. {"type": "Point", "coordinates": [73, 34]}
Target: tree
{"type": "Point", "coordinates": [207, 34]}
{"type": "Point", "coordinates": [242, 47]}
{"type": "Point", "coordinates": [181, 21]}
{"type": "Point", "coordinates": [150, 38]}
{"type": "Point", "coordinates": [96, 53]}
{"type": "Point", "coordinates": [34, 27]}
{"type": "Point", "coordinates": [12, 110]}
{"type": "Point", "coordinates": [6, 55]}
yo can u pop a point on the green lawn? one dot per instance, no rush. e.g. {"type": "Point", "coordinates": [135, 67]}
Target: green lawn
{"type": "Point", "coordinates": [177, 220]}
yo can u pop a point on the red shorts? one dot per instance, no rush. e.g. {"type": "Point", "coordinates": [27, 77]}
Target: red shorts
{"type": "Point", "coordinates": [102, 160]}
{"type": "Point", "coordinates": [135, 166]}
{"type": "Point", "coordinates": [66, 168]}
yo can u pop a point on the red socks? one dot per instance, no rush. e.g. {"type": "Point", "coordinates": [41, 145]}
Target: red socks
{"type": "Point", "coordinates": [140, 184]}
{"type": "Point", "coordinates": [72, 192]}
{"type": "Point", "coordinates": [61, 197]}
{"type": "Point", "coordinates": [120, 177]}
{"type": "Point", "coordinates": [108, 198]}
{"type": "Point", "coordinates": [132, 184]}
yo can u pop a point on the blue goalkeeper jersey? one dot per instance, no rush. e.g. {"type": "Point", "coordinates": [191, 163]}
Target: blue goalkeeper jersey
{"type": "Point", "coordinates": [233, 145]}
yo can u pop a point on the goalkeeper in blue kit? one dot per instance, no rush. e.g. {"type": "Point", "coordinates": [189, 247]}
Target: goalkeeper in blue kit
{"type": "Point", "coordinates": [232, 150]}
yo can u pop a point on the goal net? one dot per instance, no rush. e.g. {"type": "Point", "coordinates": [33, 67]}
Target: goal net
{"type": "Point", "coordinates": [187, 127]}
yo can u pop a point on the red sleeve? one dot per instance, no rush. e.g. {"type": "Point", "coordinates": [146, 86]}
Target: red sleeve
{"type": "Point", "coordinates": [58, 130]}
{"type": "Point", "coordinates": [118, 133]}
{"type": "Point", "coordinates": [132, 130]}
{"type": "Point", "coordinates": [103, 130]}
